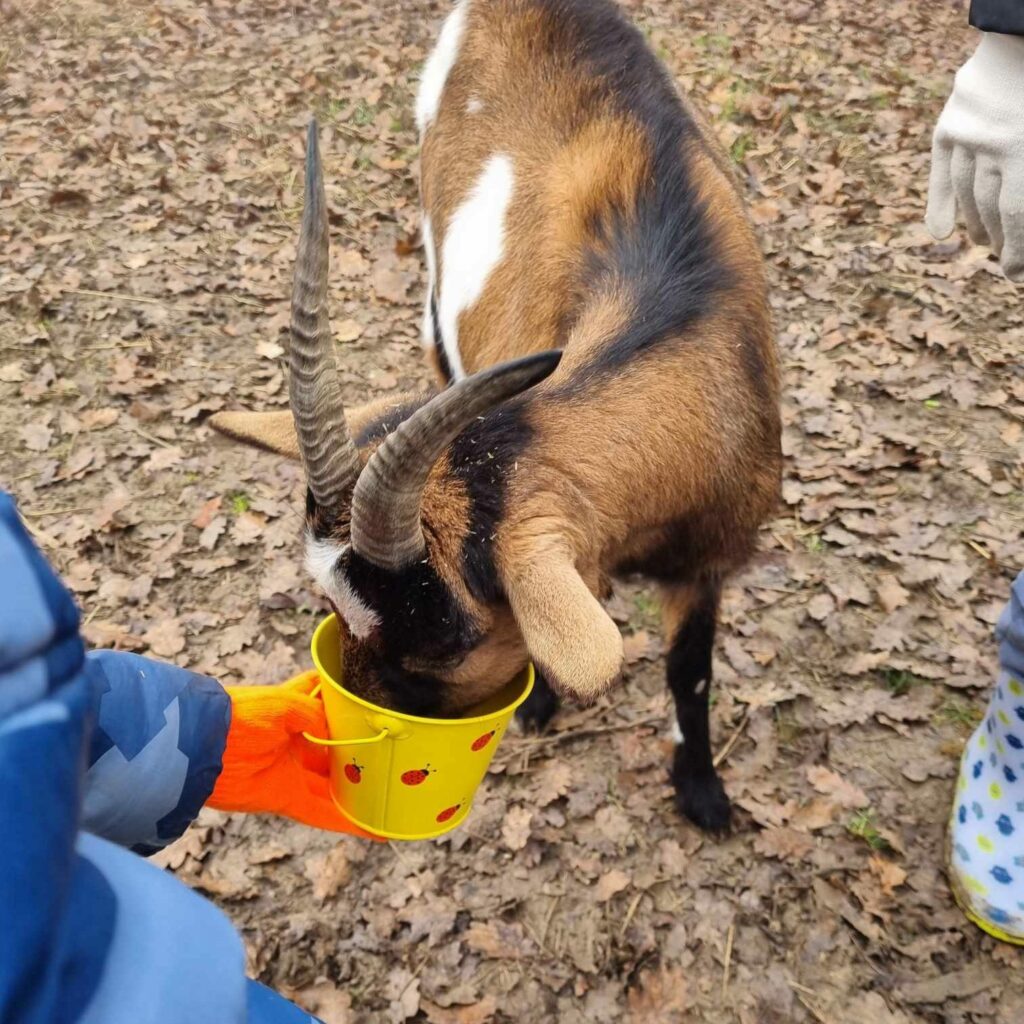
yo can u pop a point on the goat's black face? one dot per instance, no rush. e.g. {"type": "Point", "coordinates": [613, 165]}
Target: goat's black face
{"type": "Point", "coordinates": [421, 631]}
{"type": "Point", "coordinates": [409, 643]}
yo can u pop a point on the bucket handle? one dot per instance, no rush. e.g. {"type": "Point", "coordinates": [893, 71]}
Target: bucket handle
{"type": "Point", "coordinates": [341, 743]}
{"type": "Point", "coordinates": [346, 743]}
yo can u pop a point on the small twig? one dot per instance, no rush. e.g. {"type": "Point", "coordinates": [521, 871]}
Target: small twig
{"type": "Point", "coordinates": [816, 527]}
{"type": "Point", "coordinates": [631, 911]}
{"type": "Point", "coordinates": [728, 958]}
{"type": "Point", "coordinates": [800, 988]}
{"type": "Point", "coordinates": [980, 549]}
{"type": "Point", "coordinates": [149, 437]}
{"type": "Point", "coordinates": [56, 511]}
{"type": "Point", "coordinates": [539, 942]}
{"type": "Point", "coordinates": [415, 975]}
{"type": "Point", "coordinates": [123, 296]}
{"type": "Point", "coordinates": [41, 536]}
{"type": "Point", "coordinates": [813, 1010]}
{"type": "Point", "coordinates": [115, 345]}
{"type": "Point", "coordinates": [532, 744]}
{"type": "Point", "coordinates": [733, 739]}
{"type": "Point", "coordinates": [547, 921]}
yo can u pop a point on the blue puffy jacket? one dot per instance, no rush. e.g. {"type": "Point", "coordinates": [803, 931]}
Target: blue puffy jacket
{"type": "Point", "coordinates": [99, 752]}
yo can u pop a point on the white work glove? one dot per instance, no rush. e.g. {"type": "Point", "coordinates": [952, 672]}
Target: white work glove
{"type": "Point", "coordinates": [978, 153]}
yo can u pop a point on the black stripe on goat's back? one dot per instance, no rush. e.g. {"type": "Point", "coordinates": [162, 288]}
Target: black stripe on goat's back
{"type": "Point", "coordinates": [380, 426]}
{"type": "Point", "coordinates": [485, 458]}
{"type": "Point", "coordinates": [659, 246]}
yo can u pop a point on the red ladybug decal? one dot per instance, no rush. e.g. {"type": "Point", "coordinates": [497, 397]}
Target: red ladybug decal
{"type": "Point", "coordinates": [416, 776]}
{"type": "Point", "coordinates": [354, 773]}
{"type": "Point", "coordinates": [481, 741]}
{"type": "Point", "coordinates": [448, 813]}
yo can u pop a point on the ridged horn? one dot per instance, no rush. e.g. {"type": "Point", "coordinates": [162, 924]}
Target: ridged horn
{"type": "Point", "coordinates": [386, 526]}
{"type": "Point", "coordinates": [328, 452]}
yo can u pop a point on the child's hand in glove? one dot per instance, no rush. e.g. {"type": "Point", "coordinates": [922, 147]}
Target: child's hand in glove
{"type": "Point", "coordinates": [269, 766]}
{"type": "Point", "coordinates": [978, 153]}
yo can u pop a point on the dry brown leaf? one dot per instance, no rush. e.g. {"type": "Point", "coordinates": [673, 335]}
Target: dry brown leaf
{"type": "Point", "coordinates": [783, 844]}
{"type": "Point", "coordinates": [205, 515]}
{"type": "Point", "coordinates": [821, 606]}
{"type": "Point", "coordinates": [97, 419]}
{"type": "Point", "coordinates": [403, 989]}
{"type": "Point", "coordinates": [392, 283]}
{"type": "Point", "coordinates": [163, 458]}
{"type": "Point", "coordinates": [515, 831]}
{"type": "Point", "coordinates": [12, 373]}
{"type": "Point", "coordinates": [816, 814]}
{"type": "Point", "coordinates": [891, 595]}
{"type": "Point", "coordinates": [348, 330]}
{"type": "Point", "coordinates": [213, 530]}
{"type": "Point", "coordinates": [476, 1013]}
{"type": "Point", "coordinates": [36, 436]}
{"type": "Point", "coordinates": [890, 876]}
{"type": "Point", "coordinates": [661, 995]}
{"type": "Point", "coordinates": [554, 780]}
{"type": "Point", "coordinates": [350, 263]}
{"type": "Point", "coordinates": [836, 788]}
{"type": "Point", "coordinates": [498, 940]}
{"type": "Point", "coordinates": [329, 872]}
{"type": "Point", "coordinates": [332, 1005]}
{"type": "Point", "coordinates": [610, 884]}
{"type": "Point", "coordinates": [166, 638]}
{"type": "Point", "coordinates": [269, 349]}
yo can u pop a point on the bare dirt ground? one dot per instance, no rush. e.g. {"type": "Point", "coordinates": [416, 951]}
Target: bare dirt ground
{"type": "Point", "coordinates": [149, 192]}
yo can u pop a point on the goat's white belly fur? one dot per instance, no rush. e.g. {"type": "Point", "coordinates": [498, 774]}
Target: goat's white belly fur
{"type": "Point", "coordinates": [473, 246]}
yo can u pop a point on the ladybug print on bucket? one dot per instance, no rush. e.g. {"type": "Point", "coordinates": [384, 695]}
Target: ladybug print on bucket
{"type": "Point", "coordinates": [416, 776]}
{"type": "Point", "coordinates": [448, 813]}
{"type": "Point", "coordinates": [354, 772]}
{"type": "Point", "coordinates": [481, 741]}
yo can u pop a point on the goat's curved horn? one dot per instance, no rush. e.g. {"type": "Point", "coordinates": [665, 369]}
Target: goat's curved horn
{"type": "Point", "coordinates": [328, 452]}
{"type": "Point", "coordinates": [386, 526]}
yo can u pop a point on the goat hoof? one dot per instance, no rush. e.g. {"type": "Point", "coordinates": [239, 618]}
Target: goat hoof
{"type": "Point", "coordinates": [703, 801]}
{"type": "Point", "coordinates": [536, 712]}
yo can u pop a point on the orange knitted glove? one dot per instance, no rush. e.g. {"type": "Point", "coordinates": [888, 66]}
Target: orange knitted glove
{"type": "Point", "coordinates": [269, 766]}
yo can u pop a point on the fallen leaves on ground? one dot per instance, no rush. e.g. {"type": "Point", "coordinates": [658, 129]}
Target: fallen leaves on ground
{"type": "Point", "coordinates": [148, 216]}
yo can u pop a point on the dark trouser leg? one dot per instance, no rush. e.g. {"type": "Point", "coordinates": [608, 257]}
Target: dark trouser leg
{"type": "Point", "coordinates": [691, 614]}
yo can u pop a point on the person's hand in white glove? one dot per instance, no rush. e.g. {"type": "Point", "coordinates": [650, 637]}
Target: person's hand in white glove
{"type": "Point", "coordinates": [978, 153]}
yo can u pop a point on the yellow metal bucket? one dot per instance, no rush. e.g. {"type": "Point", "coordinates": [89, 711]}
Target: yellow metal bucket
{"type": "Point", "coordinates": [398, 775]}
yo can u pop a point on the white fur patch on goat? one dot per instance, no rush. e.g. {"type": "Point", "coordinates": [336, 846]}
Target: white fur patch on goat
{"type": "Point", "coordinates": [438, 65]}
{"type": "Point", "coordinates": [473, 246]}
{"type": "Point", "coordinates": [321, 562]}
{"type": "Point", "coordinates": [428, 248]}
{"type": "Point", "coordinates": [676, 732]}
{"type": "Point", "coordinates": [474, 106]}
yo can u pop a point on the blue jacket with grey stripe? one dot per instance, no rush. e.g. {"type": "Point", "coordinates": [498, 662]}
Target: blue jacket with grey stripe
{"type": "Point", "coordinates": [99, 752]}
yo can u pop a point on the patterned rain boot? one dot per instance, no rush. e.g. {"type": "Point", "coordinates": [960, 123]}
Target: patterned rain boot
{"type": "Point", "coordinates": [986, 860]}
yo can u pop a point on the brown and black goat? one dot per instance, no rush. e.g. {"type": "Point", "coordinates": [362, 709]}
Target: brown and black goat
{"type": "Point", "coordinates": [597, 309]}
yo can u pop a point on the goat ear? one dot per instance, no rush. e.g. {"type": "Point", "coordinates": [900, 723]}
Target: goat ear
{"type": "Point", "coordinates": [570, 637]}
{"type": "Point", "coordinates": [271, 431]}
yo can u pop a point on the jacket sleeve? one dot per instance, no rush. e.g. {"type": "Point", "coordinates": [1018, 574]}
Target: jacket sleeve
{"type": "Point", "coordinates": [1005, 16]}
{"type": "Point", "coordinates": [155, 752]}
